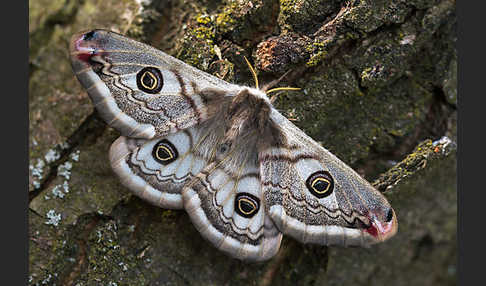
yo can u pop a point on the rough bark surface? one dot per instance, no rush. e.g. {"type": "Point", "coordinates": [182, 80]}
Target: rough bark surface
{"type": "Point", "coordinates": [378, 83]}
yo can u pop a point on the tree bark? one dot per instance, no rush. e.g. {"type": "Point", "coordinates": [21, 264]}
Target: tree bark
{"type": "Point", "coordinates": [379, 90]}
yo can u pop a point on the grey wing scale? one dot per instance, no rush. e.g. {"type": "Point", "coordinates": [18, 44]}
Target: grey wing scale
{"type": "Point", "coordinates": [315, 197]}
{"type": "Point", "coordinates": [141, 91]}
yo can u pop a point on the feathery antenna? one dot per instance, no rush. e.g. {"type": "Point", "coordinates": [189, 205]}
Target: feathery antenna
{"type": "Point", "coordinates": [252, 72]}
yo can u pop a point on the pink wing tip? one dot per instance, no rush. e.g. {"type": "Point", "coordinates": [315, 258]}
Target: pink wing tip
{"type": "Point", "coordinates": [382, 230]}
{"type": "Point", "coordinates": [82, 46]}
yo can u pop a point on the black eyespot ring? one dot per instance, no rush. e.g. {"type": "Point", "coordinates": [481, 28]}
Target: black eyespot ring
{"type": "Point", "coordinates": [88, 36]}
{"type": "Point", "coordinates": [246, 205]}
{"type": "Point", "coordinates": [150, 80]}
{"type": "Point", "coordinates": [165, 152]}
{"type": "Point", "coordinates": [389, 215]}
{"type": "Point", "coordinates": [320, 184]}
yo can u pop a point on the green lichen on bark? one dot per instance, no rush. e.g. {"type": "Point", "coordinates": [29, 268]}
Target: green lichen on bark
{"type": "Point", "coordinates": [198, 46]}
{"type": "Point", "coordinates": [305, 16]}
{"type": "Point", "coordinates": [417, 160]}
{"type": "Point", "coordinates": [351, 120]}
{"type": "Point", "coordinates": [231, 23]}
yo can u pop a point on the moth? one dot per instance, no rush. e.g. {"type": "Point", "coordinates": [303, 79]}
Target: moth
{"type": "Point", "coordinates": [242, 171]}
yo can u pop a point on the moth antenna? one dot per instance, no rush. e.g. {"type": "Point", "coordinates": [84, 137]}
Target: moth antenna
{"type": "Point", "coordinates": [252, 72]}
{"type": "Point", "coordinates": [274, 97]}
{"type": "Point", "coordinates": [274, 82]}
{"type": "Point", "coordinates": [283, 88]}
